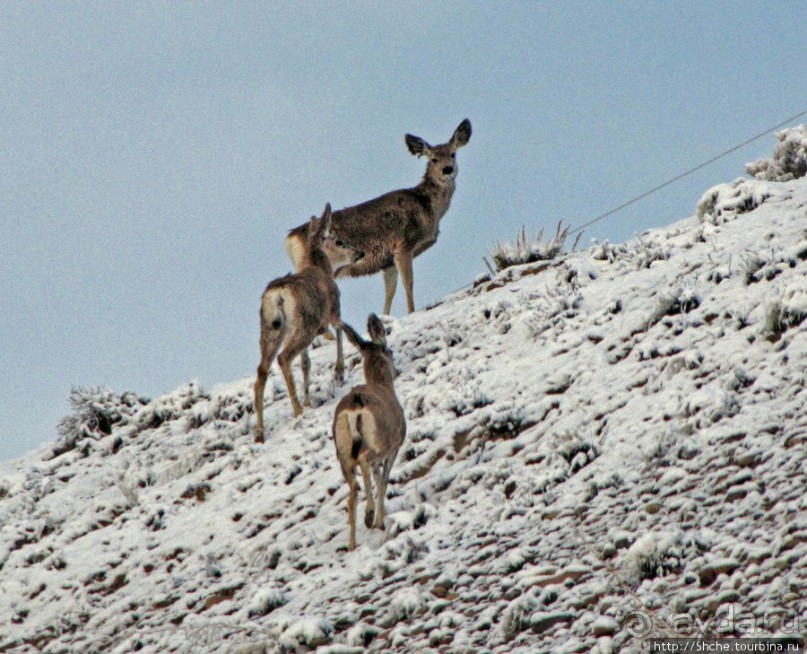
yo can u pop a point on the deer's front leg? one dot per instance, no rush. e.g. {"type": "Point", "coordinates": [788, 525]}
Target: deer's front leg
{"type": "Point", "coordinates": [305, 364]}
{"type": "Point", "coordinates": [339, 371]}
{"type": "Point", "coordinates": [403, 262]}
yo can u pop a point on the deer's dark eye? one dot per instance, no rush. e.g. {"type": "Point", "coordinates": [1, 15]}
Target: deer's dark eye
{"type": "Point", "coordinates": [340, 243]}
{"type": "Point", "coordinates": [453, 155]}
{"type": "Point", "coordinates": [434, 160]}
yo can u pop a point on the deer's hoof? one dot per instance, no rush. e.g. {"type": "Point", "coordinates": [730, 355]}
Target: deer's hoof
{"type": "Point", "coordinates": [259, 436]}
{"type": "Point", "coordinates": [368, 518]}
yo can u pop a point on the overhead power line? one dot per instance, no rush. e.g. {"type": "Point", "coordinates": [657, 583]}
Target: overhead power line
{"type": "Point", "coordinates": [688, 172]}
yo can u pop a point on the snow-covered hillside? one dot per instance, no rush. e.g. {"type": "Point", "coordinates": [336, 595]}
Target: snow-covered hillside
{"type": "Point", "coordinates": [602, 447]}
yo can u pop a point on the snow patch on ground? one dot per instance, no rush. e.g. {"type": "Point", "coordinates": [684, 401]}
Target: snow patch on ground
{"type": "Point", "coordinates": [613, 435]}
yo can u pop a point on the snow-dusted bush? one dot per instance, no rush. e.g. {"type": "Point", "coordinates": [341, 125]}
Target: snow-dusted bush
{"type": "Point", "coordinates": [95, 412]}
{"type": "Point", "coordinates": [647, 252]}
{"type": "Point", "coordinates": [644, 252]}
{"type": "Point", "coordinates": [407, 603]}
{"type": "Point", "coordinates": [710, 404]}
{"type": "Point", "coordinates": [753, 264]}
{"type": "Point", "coordinates": [528, 250]}
{"type": "Point", "coordinates": [789, 159]}
{"type": "Point", "coordinates": [786, 313]}
{"type": "Point", "coordinates": [680, 301]}
{"type": "Point", "coordinates": [265, 601]}
{"type": "Point", "coordinates": [578, 452]}
{"type": "Point", "coordinates": [724, 201]}
{"type": "Point", "coordinates": [655, 554]}
{"type": "Point", "coordinates": [605, 251]}
{"type": "Point", "coordinates": [306, 634]}
{"type": "Point", "coordinates": [405, 520]}
{"type": "Point", "coordinates": [172, 406]}
{"type": "Point", "coordinates": [362, 634]}
{"type": "Point", "coordinates": [516, 616]}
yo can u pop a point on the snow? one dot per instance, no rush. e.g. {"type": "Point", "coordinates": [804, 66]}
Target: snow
{"type": "Point", "coordinates": [621, 426]}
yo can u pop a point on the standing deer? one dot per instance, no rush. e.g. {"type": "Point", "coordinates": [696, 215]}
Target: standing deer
{"type": "Point", "coordinates": [396, 227]}
{"type": "Point", "coordinates": [298, 307]}
{"type": "Point", "coordinates": [369, 426]}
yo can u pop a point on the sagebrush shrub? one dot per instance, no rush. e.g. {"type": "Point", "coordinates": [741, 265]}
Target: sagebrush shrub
{"type": "Point", "coordinates": [95, 412]}
{"type": "Point", "coordinates": [724, 201]}
{"type": "Point", "coordinates": [529, 250]}
{"type": "Point", "coordinates": [786, 313]}
{"type": "Point", "coordinates": [789, 159]}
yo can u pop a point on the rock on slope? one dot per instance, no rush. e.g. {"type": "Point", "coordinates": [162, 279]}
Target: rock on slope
{"type": "Point", "coordinates": [602, 447]}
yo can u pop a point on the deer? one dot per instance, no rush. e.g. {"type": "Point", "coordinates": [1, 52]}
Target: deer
{"type": "Point", "coordinates": [396, 227]}
{"type": "Point", "coordinates": [369, 426]}
{"type": "Point", "coordinates": [298, 307]}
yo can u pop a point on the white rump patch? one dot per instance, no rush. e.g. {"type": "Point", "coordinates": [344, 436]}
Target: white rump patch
{"type": "Point", "coordinates": [279, 303]}
{"type": "Point", "coordinates": [368, 431]}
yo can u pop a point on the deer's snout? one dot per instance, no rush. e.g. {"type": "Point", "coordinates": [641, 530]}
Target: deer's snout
{"type": "Point", "coordinates": [448, 170]}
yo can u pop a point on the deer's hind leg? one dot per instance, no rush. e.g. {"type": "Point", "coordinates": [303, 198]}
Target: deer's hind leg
{"type": "Point", "coordinates": [305, 364]}
{"type": "Point", "coordinates": [296, 345]}
{"type": "Point", "coordinates": [382, 479]}
{"type": "Point", "coordinates": [269, 348]}
{"type": "Point", "coordinates": [381, 492]}
{"type": "Point", "coordinates": [366, 473]}
{"type": "Point", "coordinates": [352, 500]}
{"type": "Point", "coordinates": [343, 439]}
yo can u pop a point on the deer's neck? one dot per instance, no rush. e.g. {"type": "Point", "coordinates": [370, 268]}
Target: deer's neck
{"type": "Point", "coordinates": [319, 261]}
{"type": "Point", "coordinates": [379, 377]}
{"type": "Point", "coordinates": [439, 195]}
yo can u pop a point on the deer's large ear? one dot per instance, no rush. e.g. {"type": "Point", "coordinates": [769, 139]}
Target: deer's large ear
{"type": "Point", "coordinates": [352, 336]}
{"type": "Point", "coordinates": [461, 135]}
{"type": "Point", "coordinates": [325, 222]}
{"type": "Point", "coordinates": [417, 146]}
{"type": "Point", "coordinates": [376, 329]}
{"type": "Point", "coordinates": [313, 228]}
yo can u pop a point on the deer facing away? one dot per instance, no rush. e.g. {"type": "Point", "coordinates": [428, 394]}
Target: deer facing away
{"type": "Point", "coordinates": [298, 307]}
{"type": "Point", "coordinates": [369, 426]}
{"type": "Point", "coordinates": [396, 227]}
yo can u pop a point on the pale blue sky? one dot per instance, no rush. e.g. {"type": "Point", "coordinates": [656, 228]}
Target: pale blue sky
{"type": "Point", "coordinates": [153, 155]}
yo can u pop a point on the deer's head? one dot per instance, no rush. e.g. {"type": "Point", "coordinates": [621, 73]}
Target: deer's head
{"type": "Point", "coordinates": [442, 166]}
{"type": "Point", "coordinates": [335, 249]}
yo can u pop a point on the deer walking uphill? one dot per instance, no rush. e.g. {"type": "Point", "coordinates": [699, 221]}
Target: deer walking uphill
{"type": "Point", "coordinates": [396, 227]}
{"type": "Point", "coordinates": [369, 426]}
{"type": "Point", "coordinates": [298, 307]}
